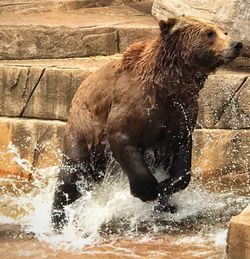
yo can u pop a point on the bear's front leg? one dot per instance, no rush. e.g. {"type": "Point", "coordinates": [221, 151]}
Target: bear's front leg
{"type": "Point", "coordinates": [180, 175]}
{"type": "Point", "coordinates": [142, 183]}
{"type": "Point", "coordinates": [66, 192]}
{"type": "Point", "coordinates": [75, 167]}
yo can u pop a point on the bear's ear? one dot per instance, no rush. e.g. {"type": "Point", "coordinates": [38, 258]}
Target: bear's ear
{"type": "Point", "coordinates": [166, 26]}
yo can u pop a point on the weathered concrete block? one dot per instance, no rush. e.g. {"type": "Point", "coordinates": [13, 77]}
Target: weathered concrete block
{"type": "Point", "coordinates": [41, 41]}
{"type": "Point", "coordinates": [224, 101]}
{"type": "Point", "coordinates": [17, 85]}
{"type": "Point", "coordinates": [28, 144]}
{"type": "Point", "coordinates": [38, 92]}
{"type": "Point", "coordinates": [43, 88]}
{"type": "Point", "coordinates": [233, 15]}
{"type": "Point", "coordinates": [238, 238]}
{"type": "Point", "coordinates": [53, 94]}
{"type": "Point", "coordinates": [34, 6]}
{"type": "Point", "coordinates": [220, 152]}
{"type": "Point", "coordinates": [87, 32]}
{"type": "Point", "coordinates": [216, 153]}
{"type": "Point", "coordinates": [237, 114]}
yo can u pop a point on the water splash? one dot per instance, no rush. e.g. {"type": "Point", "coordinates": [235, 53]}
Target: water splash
{"type": "Point", "coordinates": [111, 210]}
{"type": "Point", "coordinates": [23, 163]}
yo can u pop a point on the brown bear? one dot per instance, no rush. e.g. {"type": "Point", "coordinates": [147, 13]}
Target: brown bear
{"type": "Point", "coordinates": [142, 110]}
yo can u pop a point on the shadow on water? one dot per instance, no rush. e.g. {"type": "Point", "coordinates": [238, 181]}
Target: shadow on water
{"type": "Point", "coordinates": [109, 223]}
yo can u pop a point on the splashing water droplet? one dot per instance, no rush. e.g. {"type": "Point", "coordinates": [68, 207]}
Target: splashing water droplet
{"type": "Point", "coordinates": [110, 208]}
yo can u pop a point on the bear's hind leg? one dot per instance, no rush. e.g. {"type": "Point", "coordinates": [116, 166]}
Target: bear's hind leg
{"type": "Point", "coordinates": [180, 175]}
{"type": "Point", "coordinates": [143, 184]}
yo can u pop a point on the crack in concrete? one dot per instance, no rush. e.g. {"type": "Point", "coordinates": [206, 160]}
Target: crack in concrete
{"type": "Point", "coordinates": [26, 82]}
{"type": "Point", "coordinates": [228, 103]}
{"type": "Point", "coordinates": [118, 41]}
{"type": "Point", "coordinates": [31, 93]}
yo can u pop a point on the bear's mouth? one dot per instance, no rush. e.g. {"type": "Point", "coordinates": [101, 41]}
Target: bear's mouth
{"type": "Point", "coordinates": [230, 55]}
{"type": "Point", "coordinates": [229, 58]}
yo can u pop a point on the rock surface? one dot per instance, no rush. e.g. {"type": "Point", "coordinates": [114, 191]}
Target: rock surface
{"type": "Point", "coordinates": [219, 152]}
{"type": "Point", "coordinates": [28, 144]}
{"type": "Point", "coordinates": [87, 32]}
{"type": "Point", "coordinates": [216, 152]}
{"type": "Point", "coordinates": [233, 15]}
{"type": "Point", "coordinates": [44, 89]}
{"type": "Point", "coordinates": [8, 231]}
{"type": "Point", "coordinates": [238, 238]}
{"type": "Point", "coordinates": [224, 101]}
{"type": "Point", "coordinates": [28, 6]}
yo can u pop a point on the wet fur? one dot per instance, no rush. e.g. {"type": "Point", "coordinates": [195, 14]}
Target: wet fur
{"type": "Point", "coordinates": [146, 100]}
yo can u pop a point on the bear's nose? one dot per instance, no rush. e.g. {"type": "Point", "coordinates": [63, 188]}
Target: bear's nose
{"type": "Point", "coordinates": [237, 45]}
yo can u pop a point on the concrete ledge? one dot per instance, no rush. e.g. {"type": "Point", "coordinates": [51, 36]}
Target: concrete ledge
{"type": "Point", "coordinates": [224, 101]}
{"type": "Point", "coordinates": [36, 6]}
{"type": "Point", "coordinates": [87, 32]}
{"type": "Point", "coordinates": [11, 231]}
{"type": "Point", "coordinates": [221, 158]}
{"type": "Point", "coordinates": [44, 89]}
{"type": "Point", "coordinates": [238, 238]}
{"type": "Point", "coordinates": [26, 144]}
{"type": "Point", "coordinates": [216, 153]}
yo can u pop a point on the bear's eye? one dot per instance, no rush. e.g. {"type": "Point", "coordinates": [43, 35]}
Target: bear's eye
{"type": "Point", "coordinates": [225, 33]}
{"type": "Point", "coordinates": [210, 34]}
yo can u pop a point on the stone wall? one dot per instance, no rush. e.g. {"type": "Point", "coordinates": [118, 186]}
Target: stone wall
{"type": "Point", "coordinates": [36, 92]}
{"type": "Point", "coordinates": [238, 237]}
{"type": "Point", "coordinates": [34, 6]}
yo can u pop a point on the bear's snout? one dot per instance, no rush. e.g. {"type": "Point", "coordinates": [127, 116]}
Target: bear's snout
{"type": "Point", "coordinates": [237, 47]}
{"type": "Point", "coordinates": [234, 51]}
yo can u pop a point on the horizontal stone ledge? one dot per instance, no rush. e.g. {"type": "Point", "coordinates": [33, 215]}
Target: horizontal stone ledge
{"type": "Point", "coordinates": [238, 236]}
{"type": "Point", "coordinates": [26, 144]}
{"type": "Point", "coordinates": [11, 231]}
{"type": "Point", "coordinates": [32, 42]}
{"type": "Point", "coordinates": [216, 153]}
{"type": "Point", "coordinates": [221, 158]}
{"type": "Point", "coordinates": [89, 32]}
{"type": "Point", "coordinates": [44, 89]}
{"type": "Point", "coordinates": [36, 6]}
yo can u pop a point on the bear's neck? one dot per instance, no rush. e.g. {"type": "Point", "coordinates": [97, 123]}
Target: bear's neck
{"type": "Point", "coordinates": [176, 74]}
{"type": "Point", "coordinates": [159, 65]}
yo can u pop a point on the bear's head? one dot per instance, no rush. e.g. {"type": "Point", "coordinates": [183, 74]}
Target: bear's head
{"type": "Point", "coordinates": [198, 43]}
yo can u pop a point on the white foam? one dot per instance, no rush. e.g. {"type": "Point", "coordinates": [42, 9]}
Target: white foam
{"type": "Point", "coordinates": [107, 202]}
{"type": "Point", "coordinates": [110, 201]}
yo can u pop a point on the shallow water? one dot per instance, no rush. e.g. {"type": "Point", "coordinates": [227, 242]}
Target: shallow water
{"type": "Point", "coordinates": [109, 223]}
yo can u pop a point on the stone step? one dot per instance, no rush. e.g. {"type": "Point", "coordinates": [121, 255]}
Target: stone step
{"type": "Point", "coordinates": [35, 6]}
{"type": "Point", "coordinates": [44, 89]}
{"type": "Point", "coordinates": [238, 236]}
{"type": "Point", "coordinates": [221, 158]}
{"type": "Point", "coordinates": [26, 144]}
{"type": "Point", "coordinates": [79, 33]}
